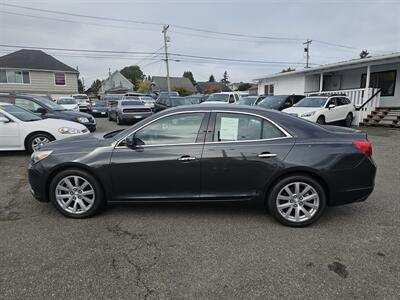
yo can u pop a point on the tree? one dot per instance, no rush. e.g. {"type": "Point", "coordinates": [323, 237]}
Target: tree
{"type": "Point", "coordinates": [364, 53]}
{"type": "Point", "coordinates": [289, 69]}
{"type": "Point", "coordinates": [225, 77]}
{"type": "Point", "coordinates": [213, 88]}
{"type": "Point", "coordinates": [133, 74]}
{"type": "Point", "coordinates": [144, 86]}
{"type": "Point", "coordinates": [189, 75]}
{"type": "Point", "coordinates": [95, 87]}
{"type": "Point", "coordinates": [81, 87]}
{"type": "Point", "coordinates": [182, 91]}
{"type": "Point", "coordinates": [211, 79]}
{"type": "Point", "coordinates": [244, 86]}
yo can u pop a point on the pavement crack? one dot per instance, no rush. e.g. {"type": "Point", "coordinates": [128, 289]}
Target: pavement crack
{"type": "Point", "coordinates": [339, 269]}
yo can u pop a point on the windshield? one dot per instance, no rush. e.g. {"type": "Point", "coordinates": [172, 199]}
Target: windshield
{"type": "Point", "coordinates": [147, 99]}
{"type": "Point", "coordinates": [131, 97]}
{"type": "Point", "coordinates": [99, 103]}
{"type": "Point", "coordinates": [193, 100]}
{"type": "Point", "coordinates": [218, 97]}
{"type": "Point", "coordinates": [81, 97]}
{"type": "Point", "coordinates": [131, 102]}
{"type": "Point", "coordinates": [49, 104]}
{"type": "Point", "coordinates": [111, 97]}
{"type": "Point", "coordinates": [66, 101]}
{"type": "Point", "coordinates": [166, 94]}
{"type": "Point", "coordinates": [272, 101]}
{"type": "Point", "coordinates": [20, 113]}
{"type": "Point", "coordinates": [311, 102]}
{"type": "Point", "coordinates": [247, 100]}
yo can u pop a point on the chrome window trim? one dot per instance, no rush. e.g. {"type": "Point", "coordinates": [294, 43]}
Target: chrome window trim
{"type": "Point", "coordinates": [287, 135]}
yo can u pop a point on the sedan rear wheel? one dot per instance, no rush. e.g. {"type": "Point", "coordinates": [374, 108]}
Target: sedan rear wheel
{"type": "Point", "coordinates": [76, 193]}
{"type": "Point", "coordinates": [297, 201]}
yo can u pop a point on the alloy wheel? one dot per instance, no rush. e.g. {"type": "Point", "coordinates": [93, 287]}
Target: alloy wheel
{"type": "Point", "coordinates": [297, 202]}
{"type": "Point", "coordinates": [75, 194]}
{"type": "Point", "coordinates": [39, 141]}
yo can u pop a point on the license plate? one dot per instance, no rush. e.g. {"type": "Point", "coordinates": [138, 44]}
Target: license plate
{"type": "Point", "coordinates": [137, 117]}
{"type": "Point", "coordinates": [103, 112]}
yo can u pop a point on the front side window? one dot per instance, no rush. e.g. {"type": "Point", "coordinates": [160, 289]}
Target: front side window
{"type": "Point", "coordinates": [27, 104]}
{"type": "Point", "coordinates": [175, 129]}
{"type": "Point", "coordinates": [19, 77]}
{"type": "Point", "coordinates": [59, 78]}
{"type": "Point", "coordinates": [240, 127]}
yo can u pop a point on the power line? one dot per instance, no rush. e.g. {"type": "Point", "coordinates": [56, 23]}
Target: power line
{"type": "Point", "coordinates": [143, 52]}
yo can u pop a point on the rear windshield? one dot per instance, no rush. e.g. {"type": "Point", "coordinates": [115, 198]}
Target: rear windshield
{"type": "Point", "coordinates": [131, 102]}
{"type": "Point", "coordinates": [218, 97]}
{"type": "Point", "coordinates": [81, 97]}
{"type": "Point", "coordinates": [66, 101]}
{"type": "Point", "coordinates": [100, 103]}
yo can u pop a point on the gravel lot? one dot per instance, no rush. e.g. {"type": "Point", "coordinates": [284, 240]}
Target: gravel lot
{"type": "Point", "coordinates": [200, 251]}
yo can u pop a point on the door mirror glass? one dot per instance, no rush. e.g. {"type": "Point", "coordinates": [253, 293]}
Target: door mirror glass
{"type": "Point", "coordinates": [331, 106]}
{"type": "Point", "coordinates": [41, 110]}
{"type": "Point", "coordinates": [133, 142]}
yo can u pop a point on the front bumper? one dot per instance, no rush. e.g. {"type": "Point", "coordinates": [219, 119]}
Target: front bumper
{"type": "Point", "coordinates": [38, 176]}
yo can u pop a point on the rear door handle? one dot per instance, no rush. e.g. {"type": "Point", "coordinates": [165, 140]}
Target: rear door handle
{"type": "Point", "coordinates": [266, 155]}
{"type": "Point", "coordinates": [186, 158]}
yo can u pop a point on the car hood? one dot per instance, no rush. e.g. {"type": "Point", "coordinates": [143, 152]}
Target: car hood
{"type": "Point", "coordinates": [78, 144]}
{"type": "Point", "coordinates": [55, 124]}
{"type": "Point", "coordinates": [300, 110]}
{"type": "Point", "coordinates": [71, 114]}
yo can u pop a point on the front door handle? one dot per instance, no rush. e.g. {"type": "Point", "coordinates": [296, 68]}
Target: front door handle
{"type": "Point", "coordinates": [266, 155]}
{"type": "Point", "coordinates": [186, 158]}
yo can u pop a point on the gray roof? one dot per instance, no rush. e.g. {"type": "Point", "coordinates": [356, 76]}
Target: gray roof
{"type": "Point", "coordinates": [33, 60]}
{"type": "Point", "coordinates": [176, 82]}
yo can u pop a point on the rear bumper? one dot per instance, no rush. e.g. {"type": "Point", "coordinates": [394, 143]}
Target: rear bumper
{"type": "Point", "coordinates": [134, 116]}
{"type": "Point", "coordinates": [352, 185]}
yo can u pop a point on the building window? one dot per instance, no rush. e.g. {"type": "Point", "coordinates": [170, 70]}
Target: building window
{"type": "Point", "coordinates": [16, 77]}
{"type": "Point", "coordinates": [59, 78]}
{"type": "Point", "coordinates": [385, 80]}
{"type": "Point", "coordinates": [269, 90]}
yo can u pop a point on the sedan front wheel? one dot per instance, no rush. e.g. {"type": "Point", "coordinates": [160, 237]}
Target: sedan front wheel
{"type": "Point", "coordinates": [297, 201]}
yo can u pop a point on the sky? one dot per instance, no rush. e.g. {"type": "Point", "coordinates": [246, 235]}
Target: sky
{"type": "Point", "coordinates": [269, 32]}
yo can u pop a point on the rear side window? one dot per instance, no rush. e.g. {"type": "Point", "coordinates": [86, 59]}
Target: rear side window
{"type": "Point", "coordinates": [241, 127]}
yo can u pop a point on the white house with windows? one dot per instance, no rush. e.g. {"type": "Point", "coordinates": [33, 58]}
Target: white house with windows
{"type": "Point", "coordinates": [370, 82]}
{"type": "Point", "coordinates": [35, 72]}
{"type": "Point", "coordinates": [116, 83]}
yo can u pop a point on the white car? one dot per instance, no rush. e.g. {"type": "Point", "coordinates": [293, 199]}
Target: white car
{"type": "Point", "coordinates": [324, 109]}
{"type": "Point", "coordinates": [69, 103]}
{"type": "Point", "coordinates": [147, 101]}
{"type": "Point", "coordinates": [22, 130]}
{"type": "Point", "coordinates": [83, 101]}
{"type": "Point", "coordinates": [223, 97]}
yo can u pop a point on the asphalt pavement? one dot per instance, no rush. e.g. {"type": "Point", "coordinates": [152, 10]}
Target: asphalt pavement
{"type": "Point", "coordinates": [192, 251]}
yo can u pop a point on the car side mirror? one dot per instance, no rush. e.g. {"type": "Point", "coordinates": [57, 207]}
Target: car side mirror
{"type": "Point", "coordinates": [4, 120]}
{"type": "Point", "coordinates": [287, 104]}
{"type": "Point", "coordinates": [331, 106]}
{"type": "Point", "coordinates": [133, 142]}
{"type": "Point", "coordinates": [41, 110]}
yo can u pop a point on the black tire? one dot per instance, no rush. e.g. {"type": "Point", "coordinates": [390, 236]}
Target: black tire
{"type": "Point", "coordinates": [98, 202]}
{"type": "Point", "coordinates": [349, 120]}
{"type": "Point", "coordinates": [321, 120]}
{"type": "Point", "coordinates": [119, 121]}
{"type": "Point", "coordinates": [278, 187]}
{"type": "Point", "coordinates": [29, 143]}
{"type": "Point", "coordinates": [109, 117]}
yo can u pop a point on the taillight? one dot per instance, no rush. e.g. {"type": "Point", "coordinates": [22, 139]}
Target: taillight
{"type": "Point", "coordinates": [364, 147]}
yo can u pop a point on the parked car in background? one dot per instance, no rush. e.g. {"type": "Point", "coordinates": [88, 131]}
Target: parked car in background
{"type": "Point", "coordinates": [128, 110]}
{"type": "Point", "coordinates": [83, 102]}
{"type": "Point", "coordinates": [99, 108]}
{"type": "Point", "coordinates": [324, 109]}
{"type": "Point", "coordinates": [280, 102]}
{"type": "Point", "coordinates": [168, 94]}
{"type": "Point", "coordinates": [223, 97]}
{"type": "Point", "coordinates": [168, 102]}
{"type": "Point", "coordinates": [147, 101]}
{"type": "Point", "coordinates": [20, 129]}
{"type": "Point", "coordinates": [247, 100]}
{"type": "Point", "coordinates": [46, 108]}
{"type": "Point", "coordinates": [195, 99]}
{"type": "Point", "coordinates": [69, 103]}
{"type": "Point", "coordinates": [209, 153]}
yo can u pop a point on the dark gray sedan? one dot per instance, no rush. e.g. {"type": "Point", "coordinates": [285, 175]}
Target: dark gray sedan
{"type": "Point", "coordinates": [203, 153]}
{"type": "Point", "coordinates": [128, 110]}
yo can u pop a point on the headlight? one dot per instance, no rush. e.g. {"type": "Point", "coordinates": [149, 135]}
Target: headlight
{"type": "Point", "coordinates": [82, 120]}
{"type": "Point", "coordinates": [39, 155]}
{"type": "Point", "coordinates": [68, 130]}
{"type": "Point", "coordinates": [308, 114]}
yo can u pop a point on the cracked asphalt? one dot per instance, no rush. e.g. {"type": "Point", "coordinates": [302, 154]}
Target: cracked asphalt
{"type": "Point", "coordinates": [187, 251]}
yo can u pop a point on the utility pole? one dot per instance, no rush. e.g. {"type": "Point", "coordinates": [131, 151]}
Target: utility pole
{"type": "Point", "coordinates": [307, 51]}
{"type": "Point", "coordinates": [166, 39]}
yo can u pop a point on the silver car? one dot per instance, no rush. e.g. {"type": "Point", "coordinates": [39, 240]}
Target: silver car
{"type": "Point", "coordinates": [128, 110]}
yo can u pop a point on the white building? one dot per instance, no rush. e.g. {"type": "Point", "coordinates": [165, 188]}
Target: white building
{"type": "Point", "coordinates": [116, 83]}
{"type": "Point", "coordinates": [369, 82]}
